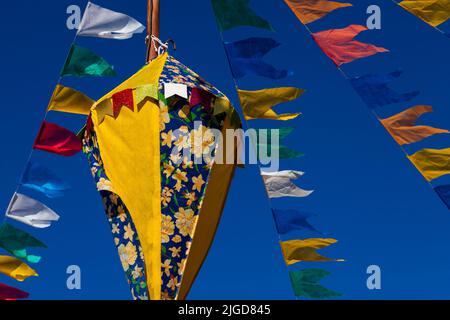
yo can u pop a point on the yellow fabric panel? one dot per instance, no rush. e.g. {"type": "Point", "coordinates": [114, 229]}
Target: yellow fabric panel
{"type": "Point", "coordinates": [15, 268]}
{"type": "Point", "coordinates": [149, 74]}
{"type": "Point", "coordinates": [130, 149]}
{"type": "Point", "coordinates": [308, 11]}
{"type": "Point", "coordinates": [403, 129]}
{"type": "Point", "coordinates": [305, 250]}
{"type": "Point", "coordinates": [219, 182]}
{"type": "Point", "coordinates": [258, 104]}
{"type": "Point", "coordinates": [68, 100]}
{"type": "Point", "coordinates": [432, 163]}
{"type": "Point", "coordinates": [433, 12]}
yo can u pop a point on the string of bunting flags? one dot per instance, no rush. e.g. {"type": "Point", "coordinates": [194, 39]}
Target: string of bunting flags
{"type": "Point", "coordinates": [97, 22]}
{"type": "Point", "coordinates": [339, 45]}
{"type": "Point", "coordinates": [246, 58]}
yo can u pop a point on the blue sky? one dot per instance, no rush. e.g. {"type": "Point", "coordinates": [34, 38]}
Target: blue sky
{"type": "Point", "coordinates": [368, 195]}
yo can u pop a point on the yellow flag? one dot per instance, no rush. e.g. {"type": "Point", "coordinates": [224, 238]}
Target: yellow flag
{"type": "Point", "coordinates": [433, 12]}
{"type": "Point", "coordinates": [15, 268]}
{"type": "Point", "coordinates": [258, 104]}
{"type": "Point", "coordinates": [308, 11]}
{"type": "Point", "coordinates": [68, 100]}
{"type": "Point", "coordinates": [305, 250]}
{"type": "Point", "coordinates": [432, 163]}
{"type": "Point", "coordinates": [403, 129]}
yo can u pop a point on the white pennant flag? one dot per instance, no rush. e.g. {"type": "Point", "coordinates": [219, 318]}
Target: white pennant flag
{"type": "Point", "coordinates": [279, 184]}
{"type": "Point", "coordinates": [31, 212]}
{"type": "Point", "coordinates": [104, 23]}
{"type": "Point", "coordinates": [178, 89]}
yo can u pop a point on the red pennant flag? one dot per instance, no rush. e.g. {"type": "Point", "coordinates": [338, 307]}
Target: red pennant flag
{"type": "Point", "coordinates": [122, 99]}
{"type": "Point", "coordinates": [10, 293]}
{"type": "Point", "coordinates": [199, 96]}
{"type": "Point", "coordinates": [56, 139]}
{"type": "Point", "coordinates": [339, 46]}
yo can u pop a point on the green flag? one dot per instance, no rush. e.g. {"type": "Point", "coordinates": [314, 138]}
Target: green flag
{"type": "Point", "coordinates": [306, 284]}
{"type": "Point", "coordinates": [16, 242]}
{"type": "Point", "coordinates": [268, 148]}
{"type": "Point", "coordinates": [83, 62]}
{"type": "Point", "coordinates": [235, 13]}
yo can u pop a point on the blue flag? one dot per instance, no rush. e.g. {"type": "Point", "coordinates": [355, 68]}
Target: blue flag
{"type": "Point", "coordinates": [375, 92]}
{"type": "Point", "coordinates": [291, 220]}
{"type": "Point", "coordinates": [39, 178]}
{"type": "Point", "coordinates": [245, 57]}
{"type": "Point", "coordinates": [444, 193]}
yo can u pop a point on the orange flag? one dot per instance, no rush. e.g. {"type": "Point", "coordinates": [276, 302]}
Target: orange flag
{"type": "Point", "coordinates": [403, 127]}
{"type": "Point", "coordinates": [339, 46]}
{"type": "Point", "coordinates": [305, 250]}
{"type": "Point", "coordinates": [308, 11]}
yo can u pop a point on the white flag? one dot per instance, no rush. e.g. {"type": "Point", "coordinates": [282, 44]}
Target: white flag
{"type": "Point", "coordinates": [104, 23]}
{"type": "Point", "coordinates": [31, 212]}
{"type": "Point", "coordinates": [279, 184]}
{"type": "Point", "coordinates": [172, 89]}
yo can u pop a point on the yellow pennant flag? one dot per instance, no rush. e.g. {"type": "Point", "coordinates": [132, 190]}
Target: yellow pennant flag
{"type": "Point", "coordinates": [403, 129]}
{"type": "Point", "coordinates": [305, 250]}
{"type": "Point", "coordinates": [258, 104]}
{"type": "Point", "coordinates": [68, 100]}
{"type": "Point", "coordinates": [433, 12]}
{"type": "Point", "coordinates": [308, 11]}
{"type": "Point", "coordinates": [15, 268]}
{"type": "Point", "coordinates": [432, 163]}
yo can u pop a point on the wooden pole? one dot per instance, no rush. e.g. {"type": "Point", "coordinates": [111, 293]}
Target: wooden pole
{"type": "Point", "coordinates": [152, 28]}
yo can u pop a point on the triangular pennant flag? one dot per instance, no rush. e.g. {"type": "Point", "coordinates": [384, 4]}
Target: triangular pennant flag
{"type": "Point", "coordinates": [339, 44]}
{"type": "Point", "coordinates": [235, 13]}
{"type": "Point", "coordinates": [104, 23]}
{"type": "Point", "coordinates": [201, 97]}
{"type": "Point", "coordinates": [56, 139]}
{"type": "Point", "coordinates": [279, 184]}
{"type": "Point", "coordinates": [144, 93]}
{"type": "Point", "coordinates": [31, 212]}
{"type": "Point", "coordinates": [305, 250]}
{"type": "Point", "coordinates": [16, 269]}
{"type": "Point", "coordinates": [258, 104]}
{"type": "Point", "coordinates": [16, 242]}
{"type": "Point", "coordinates": [444, 193]}
{"type": "Point", "coordinates": [265, 147]}
{"type": "Point", "coordinates": [375, 92]}
{"type": "Point", "coordinates": [245, 57]}
{"type": "Point", "coordinates": [432, 163]}
{"type": "Point", "coordinates": [175, 89]}
{"type": "Point", "coordinates": [292, 220]}
{"type": "Point", "coordinates": [83, 62]}
{"type": "Point", "coordinates": [403, 128]}
{"type": "Point", "coordinates": [39, 178]}
{"type": "Point", "coordinates": [10, 293]}
{"type": "Point", "coordinates": [308, 11]}
{"type": "Point", "coordinates": [122, 99]}
{"type": "Point", "coordinates": [68, 100]}
{"type": "Point", "coordinates": [433, 12]}
{"type": "Point", "coordinates": [306, 284]}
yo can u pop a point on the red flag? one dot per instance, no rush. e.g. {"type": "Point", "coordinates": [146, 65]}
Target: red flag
{"type": "Point", "coordinates": [339, 46]}
{"type": "Point", "coordinates": [122, 99]}
{"type": "Point", "coordinates": [10, 293]}
{"type": "Point", "coordinates": [56, 139]}
{"type": "Point", "coordinates": [199, 96]}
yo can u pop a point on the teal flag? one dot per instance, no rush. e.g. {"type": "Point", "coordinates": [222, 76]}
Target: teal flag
{"type": "Point", "coordinates": [16, 242]}
{"type": "Point", "coordinates": [306, 284]}
{"type": "Point", "coordinates": [234, 13]}
{"type": "Point", "coordinates": [267, 148]}
{"type": "Point", "coordinates": [83, 62]}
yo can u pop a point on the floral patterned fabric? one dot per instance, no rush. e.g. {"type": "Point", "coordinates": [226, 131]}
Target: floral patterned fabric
{"type": "Point", "coordinates": [124, 232]}
{"type": "Point", "coordinates": [175, 71]}
{"type": "Point", "coordinates": [183, 183]}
